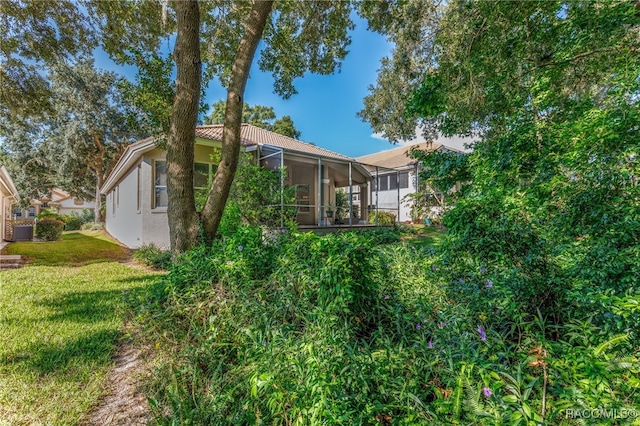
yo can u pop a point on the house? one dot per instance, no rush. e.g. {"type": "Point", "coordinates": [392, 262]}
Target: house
{"type": "Point", "coordinates": [64, 203]}
{"type": "Point", "coordinates": [58, 200]}
{"type": "Point", "coordinates": [8, 197]}
{"type": "Point", "coordinates": [395, 175]}
{"type": "Point", "coordinates": [136, 191]}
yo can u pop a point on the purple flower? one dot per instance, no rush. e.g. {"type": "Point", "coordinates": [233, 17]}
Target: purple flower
{"type": "Point", "coordinates": [229, 262]}
{"type": "Point", "coordinates": [483, 270]}
{"type": "Point", "coordinates": [240, 248]}
{"type": "Point", "coordinates": [386, 297]}
{"type": "Point", "coordinates": [483, 335]}
{"type": "Point", "coordinates": [434, 267]}
{"type": "Point", "coordinates": [418, 326]}
{"type": "Point", "coordinates": [489, 284]}
{"type": "Point", "coordinates": [461, 280]}
{"type": "Point", "coordinates": [430, 344]}
{"type": "Point", "coordinates": [443, 324]}
{"type": "Point", "coordinates": [487, 392]}
{"type": "Point", "coordinates": [264, 343]}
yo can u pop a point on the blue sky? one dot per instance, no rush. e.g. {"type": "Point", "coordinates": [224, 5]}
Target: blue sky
{"type": "Point", "coordinates": [324, 110]}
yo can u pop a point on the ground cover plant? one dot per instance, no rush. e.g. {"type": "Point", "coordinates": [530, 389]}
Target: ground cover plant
{"type": "Point", "coordinates": [60, 327]}
{"type": "Point", "coordinates": [366, 329]}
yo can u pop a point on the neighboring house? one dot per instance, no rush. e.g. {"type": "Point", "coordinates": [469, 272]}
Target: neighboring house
{"type": "Point", "coordinates": [59, 201]}
{"type": "Point", "coordinates": [8, 197]}
{"type": "Point", "coordinates": [395, 175]}
{"type": "Point", "coordinates": [136, 189]}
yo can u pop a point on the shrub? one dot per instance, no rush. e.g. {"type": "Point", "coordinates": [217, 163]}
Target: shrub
{"type": "Point", "coordinates": [263, 330]}
{"type": "Point", "coordinates": [92, 226]}
{"type": "Point", "coordinates": [47, 213]}
{"type": "Point", "coordinates": [384, 218]}
{"type": "Point", "coordinates": [87, 215]}
{"type": "Point", "coordinates": [153, 256]}
{"type": "Point", "coordinates": [71, 222]}
{"type": "Point", "coordinates": [49, 229]}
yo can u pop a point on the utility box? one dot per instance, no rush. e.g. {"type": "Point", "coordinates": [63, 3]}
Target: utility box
{"type": "Point", "coordinates": [23, 233]}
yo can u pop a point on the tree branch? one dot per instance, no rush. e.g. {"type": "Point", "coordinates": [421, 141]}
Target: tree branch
{"type": "Point", "coordinates": [219, 192]}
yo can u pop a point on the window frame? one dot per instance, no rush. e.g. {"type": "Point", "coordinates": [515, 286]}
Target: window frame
{"type": "Point", "coordinates": [156, 186]}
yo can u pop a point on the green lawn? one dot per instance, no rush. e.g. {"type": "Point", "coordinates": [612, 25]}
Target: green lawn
{"type": "Point", "coordinates": [76, 248]}
{"type": "Point", "coordinates": [424, 236]}
{"type": "Point", "coordinates": [60, 326]}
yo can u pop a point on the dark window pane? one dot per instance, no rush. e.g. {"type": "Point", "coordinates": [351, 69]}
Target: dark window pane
{"type": "Point", "coordinates": [393, 181]}
{"type": "Point", "coordinates": [404, 179]}
{"type": "Point", "coordinates": [161, 173]}
{"type": "Point", "coordinates": [200, 175]}
{"type": "Point", "coordinates": [162, 200]}
{"type": "Point", "coordinates": [383, 183]}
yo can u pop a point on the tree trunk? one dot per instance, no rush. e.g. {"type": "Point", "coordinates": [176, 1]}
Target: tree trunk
{"type": "Point", "coordinates": [181, 211]}
{"type": "Point", "coordinates": [97, 214]}
{"type": "Point", "coordinates": [219, 191]}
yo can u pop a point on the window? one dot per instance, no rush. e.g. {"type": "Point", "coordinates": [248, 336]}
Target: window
{"type": "Point", "coordinates": [113, 202]}
{"type": "Point", "coordinates": [17, 212]}
{"type": "Point", "coordinates": [160, 184]}
{"type": "Point", "coordinates": [203, 174]}
{"type": "Point", "coordinates": [393, 181]}
{"type": "Point", "coordinates": [44, 205]}
{"type": "Point", "coordinates": [383, 183]}
{"type": "Point", "coordinates": [403, 179]}
{"type": "Point", "coordinates": [32, 211]}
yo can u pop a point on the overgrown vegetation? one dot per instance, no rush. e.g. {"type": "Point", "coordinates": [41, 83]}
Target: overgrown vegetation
{"type": "Point", "coordinates": [382, 218]}
{"type": "Point", "coordinates": [360, 328]}
{"type": "Point", "coordinates": [153, 256]}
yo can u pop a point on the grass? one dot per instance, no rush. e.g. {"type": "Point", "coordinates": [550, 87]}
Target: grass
{"type": "Point", "coordinates": [76, 248]}
{"type": "Point", "coordinates": [423, 236]}
{"type": "Point", "coordinates": [60, 327]}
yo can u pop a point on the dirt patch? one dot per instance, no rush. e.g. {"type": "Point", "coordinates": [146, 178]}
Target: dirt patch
{"type": "Point", "coordinates": [124, 403]}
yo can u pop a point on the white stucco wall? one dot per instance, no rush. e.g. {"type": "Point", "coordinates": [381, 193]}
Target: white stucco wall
{"type": "Point", "coordinates": [123, 219]}
{"type": "Point", "coordinates": [69, 206]}
{"type": "Point", "coordinates": [388, 200]}
{"type": "Point", "coordinates": [5, 208]}
{"type": "Point", "coordinates": [155, 225]}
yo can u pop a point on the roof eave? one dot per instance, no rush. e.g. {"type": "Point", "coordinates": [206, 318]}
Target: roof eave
{"type": "Point", "coordinates": [131, 155]}
{"type": "Point", "coordinates": [8, 182]}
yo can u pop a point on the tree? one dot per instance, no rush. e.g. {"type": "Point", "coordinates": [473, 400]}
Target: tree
{"type": "Point", "coordinates": [259, 116]}
{"type": "Point", "coordinates": [36, 34]}
{"type": "Point", "coordinates": [223, 36]}
{"type": "Point", "coordinates": [76, 145]}
{"type": "Point", "coordinates": [553, 89]}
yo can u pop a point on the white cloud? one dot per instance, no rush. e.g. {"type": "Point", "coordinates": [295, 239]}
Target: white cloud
{"type": "Point", "coordinates": [455, 142]}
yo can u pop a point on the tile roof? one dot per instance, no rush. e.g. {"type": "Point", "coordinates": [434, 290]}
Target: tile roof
{"type": "Point", "coordinates": [252, 135]}
{"type": "Point", "coordinates": [249, 136]}
{"type": "Point", "coordinates": [396, 157]}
